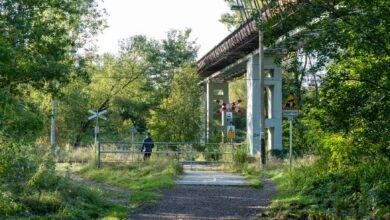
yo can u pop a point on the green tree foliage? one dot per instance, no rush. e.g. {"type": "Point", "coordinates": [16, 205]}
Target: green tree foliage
{"type": "Point", "coordinates": [129, 85]}
{"type": "Point", "coordinates": [35, 43]}
{"type": "Point", "coordinates": [177, 117]}
{"type": "Point", "coordinates": [36, 37]}
{"type": "Point", "coordinates": [36, 40]}
{"type": "Point", "coordinates": [338, 66]}
{"type": "Point", "coordinates": [355, 90]}
{"type": "Point", "coordinates": [349, 40]}
{"type": "Point", "coordinates": [171, 53]}
{"type": "Point", "coordinates": [114, 84]}
{"type": "Point", "coordinates": [237, 17]}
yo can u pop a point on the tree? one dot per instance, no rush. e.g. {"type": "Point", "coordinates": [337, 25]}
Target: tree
{"type": "Point", "coordinates": [35, 42]}
{"type": "Point", "coordinates": [113, 76]}
{"type": "Point", "coordinates": [355, 89]}
{"type": "Point", "coordinates": [38, 35]}
{"type": "Point", "coordinates": [234, 19]}
{"type": "Point", "coordinates": [129, 84]}
{"type": "Point", "coordinates": [177, 117]}
{"type": "Point", "coordinates": [173, 51]}
{"type": "Point", "coordinates": [348, 42]}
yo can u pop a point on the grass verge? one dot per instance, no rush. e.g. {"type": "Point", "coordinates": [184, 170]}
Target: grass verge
{"type": "Point", "coordinates": [159, 173]}
{"type": "Point", "coordinates": [315, 189]}
{"type": "Point", "coordinates": [155, 173]}
{"type": "Point", "coordinates": [139, 199]}
{"type": "Point", "coordinates": [67, 200]}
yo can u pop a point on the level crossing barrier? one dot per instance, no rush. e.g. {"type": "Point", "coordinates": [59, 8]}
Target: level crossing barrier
{"type": "Point", "coordinates": [186, 153]}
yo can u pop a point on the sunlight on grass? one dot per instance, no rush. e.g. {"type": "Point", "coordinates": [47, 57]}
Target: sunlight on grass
{"type": "Point", "coordinates": [156, 173]}
{"type": "Point", "coordinates": [146, 175]}
{"type": "Point", "coordinates": [71, 167]}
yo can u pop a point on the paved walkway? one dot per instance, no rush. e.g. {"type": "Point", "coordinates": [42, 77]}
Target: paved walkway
{"type": "Point", "coordinates": [205, 202]}
{"type": "Point", "coordinates": [208, 195]}
{"type": "Point", "coordinates": [212, 178]}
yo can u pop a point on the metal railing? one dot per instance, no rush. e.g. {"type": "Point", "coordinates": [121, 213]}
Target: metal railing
{"type": "Point", "coordinates": [186, 153]}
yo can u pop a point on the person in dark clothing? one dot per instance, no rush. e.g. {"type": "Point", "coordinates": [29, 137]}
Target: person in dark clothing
{"type": "Point", "coordinates": [147, 146]}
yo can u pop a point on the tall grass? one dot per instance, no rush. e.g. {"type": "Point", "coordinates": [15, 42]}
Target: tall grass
{"type": "Point", "coordinates": [40, 193]}
{"type": "Point", "coordinates": [314, 189]}
{"type": "Point", "coordinates": [154, 173]}
{"type": "Point", "coordinates": [70, 154]}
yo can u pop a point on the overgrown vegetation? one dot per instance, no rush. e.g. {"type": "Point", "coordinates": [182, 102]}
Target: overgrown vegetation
{"type": "Point", "coordinates": [337, 67]}
{"type": "Point", "coordinates": [39, 63]}
{"type": "Point", "coordinates": [141, 177]}
{"type": "Point", "coordinates": [30, 188]}
{"type": "Point", "coordinates": [317, 189]}
{"type": "Point", "coordinates": [156, 173]}
{"type": "Point", "coordinates": [246, 166]}
{"type": "Point", "coordinates": [140, 199]}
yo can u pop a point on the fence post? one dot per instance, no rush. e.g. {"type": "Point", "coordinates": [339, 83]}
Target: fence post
{"type": "Point", "coordinates": [232, 152]}
{"type": "Point", "coordinates": [138, 152]}
{"type": "Point", "coordinates": [98, 155]}
{"type": "Point", "coordinates": [132, 151]}
{"type": "Point", "coordinates": [191, 157]}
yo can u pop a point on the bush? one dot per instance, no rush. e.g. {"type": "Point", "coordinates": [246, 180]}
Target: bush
{"type": "Point", "coordinates": [31, 189]}
{"type": "Point", "coordinates": [240, 157]}
{"type": "Point", "coordinates": [17, 165]}
{"type": "Point", "coordinates": [330, 190]}
{"type": "Point", "coordinates": [212, 153]}
{"type": "Point", "coordinates": [8, 205]}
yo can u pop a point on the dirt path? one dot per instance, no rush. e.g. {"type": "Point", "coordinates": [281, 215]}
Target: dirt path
{"type": "Point", "coordinates": [208, 202]}
{"type": "Point", "coordinates": [197, 201]}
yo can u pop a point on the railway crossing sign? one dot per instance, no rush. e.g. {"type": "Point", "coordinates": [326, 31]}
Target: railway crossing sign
{"type": "Point", "coordinates": [229, 116]}
{"type": "Point", "coordinates": [228, 107]}
{"type": "Point", "coordinates": [97, 115]}
{"type": "Point", "coordinates": [290, 107]}
{"type": "Point", "coordinates": [133, 129]}
{"type": "Point", "coordinates": [231, 131]}
{"type": "Point", "coordinates": [290, 103]}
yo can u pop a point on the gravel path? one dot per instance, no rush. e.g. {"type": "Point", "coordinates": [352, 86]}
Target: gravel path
{"type": "Point", "coordinates": [208, 202]}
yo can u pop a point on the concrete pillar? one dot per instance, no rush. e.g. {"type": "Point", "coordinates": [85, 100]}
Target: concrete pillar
{"type": "Point", "coordinates": [253, 105]}
{"type": "Point", "coordinates": [203, 116]}
{"type": "Point", "coordinates": [271, 137]}
{"type": "Point", "coordinates": [270, 114]}
{"type": "Point", "coordinates": [214, 90]}
{"type": "Point", "coordinates": [273, 81]}
{"type": "Point", "coordinates": [277, 113]}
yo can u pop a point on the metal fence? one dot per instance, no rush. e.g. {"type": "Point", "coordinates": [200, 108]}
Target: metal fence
{"type": "Point", "coordinates": [187, 153]}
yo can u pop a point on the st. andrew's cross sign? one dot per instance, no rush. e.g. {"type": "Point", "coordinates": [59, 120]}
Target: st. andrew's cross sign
{"type": "Point", "coordinates": [97, 115]}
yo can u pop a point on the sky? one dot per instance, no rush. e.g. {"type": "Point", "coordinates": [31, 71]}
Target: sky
{"type": "Point", "coordinates": [154, 18]}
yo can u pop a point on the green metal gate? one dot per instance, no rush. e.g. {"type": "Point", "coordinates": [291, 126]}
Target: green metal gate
{"type": "Point", "coordinates": [186, 153]}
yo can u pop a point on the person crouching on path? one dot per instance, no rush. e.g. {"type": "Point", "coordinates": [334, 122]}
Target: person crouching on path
{"type": "Point", "coordinates": [147, 146]}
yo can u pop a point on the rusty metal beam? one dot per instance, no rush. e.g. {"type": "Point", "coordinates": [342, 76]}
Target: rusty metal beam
{"type": "Point", "coordinates": [240, 42]}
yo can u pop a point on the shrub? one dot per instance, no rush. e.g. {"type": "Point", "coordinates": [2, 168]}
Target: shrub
{"type": "Point", "coordinates": [327, 189]}
{"type": "Point", "coordinates": [240, 157]}
{"type": "Point", "coordinates": [212, 153]}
